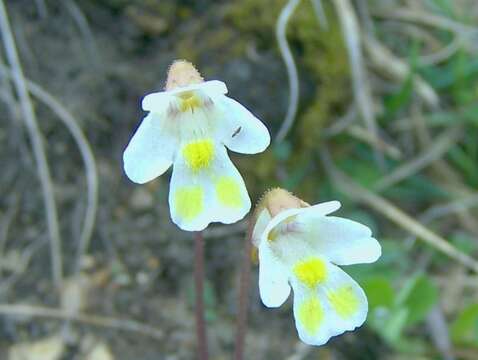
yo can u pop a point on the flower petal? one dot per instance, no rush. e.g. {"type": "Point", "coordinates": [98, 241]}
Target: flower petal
{"type": "Point", "coordinates": [322, 208]}
{"type": "Point", "coordinates": [206, 187]}
{"type": "Point", "coordinates": [242, 131]}
{"type": "Point", "coordinates": [211, 87]}
{"type": "Point", "coordinates": [159, 102]}
{"type": "Point", "coordinates": [261, 223]}
{"type": "Point", "coordinates": [149, 152]}
{"type": "Point", "coordinates": [273, 278]}
{"type": "Point", "coordinates": [336, 305]}
{"type": "Point", "coordinates": [342, 241]}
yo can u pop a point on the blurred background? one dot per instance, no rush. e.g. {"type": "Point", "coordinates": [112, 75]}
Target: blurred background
{"type": "Point", "coordinates": [373, 103]}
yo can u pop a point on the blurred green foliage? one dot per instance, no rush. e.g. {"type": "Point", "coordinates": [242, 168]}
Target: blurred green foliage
{"type": "Point", "coordinates": [464, 330]}
{"type": "Point", "coordinates": [391, 312]}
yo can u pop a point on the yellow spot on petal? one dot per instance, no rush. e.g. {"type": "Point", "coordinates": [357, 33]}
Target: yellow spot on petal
{"type": "Point", "coordinates": [199, 154]}
{"type": "Point", "coordinates": [228, 192]}
{"type": "Point", "coordinates": [189, 202]}
{"type": "Point", "coordinates": [311, 314]}
{"type": "Point", "coordinates": [188, 101]}
{"type": "Point", "coordinates": [344, 301]}
{"type": "Point", "coordinates": [311, 272]}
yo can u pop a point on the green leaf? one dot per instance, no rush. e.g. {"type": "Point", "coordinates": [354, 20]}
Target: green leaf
{"type": "Point", "coordinates": [395, 102]}
{"type": "Point", "coordinates": [445, 7]}
{"type": "Point", "coordinates": [393, 327]}
{"type": "Point", "coordinates": [464, 329]}
{"type": "Point", "coordinates": [379, 292]}
{"type": "Point", "coordinates": [442, 77]}
{"type": "Point", "coordinates": [361, 166]}
{"type": "Point", "coordinates": [418, 295]}
{"type": "Point", "coordinates": [464, 242]}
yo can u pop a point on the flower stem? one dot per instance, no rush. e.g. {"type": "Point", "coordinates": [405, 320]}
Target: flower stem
{"type": "Point", "coordinates": [202, 353]}
{"type": "Point", "coordinates": [244, 295]}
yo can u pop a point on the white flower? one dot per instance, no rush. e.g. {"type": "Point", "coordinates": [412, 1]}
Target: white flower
{"type": "Point", "coordinates": [301, 247]}
{"type": "Point", "coordinates": [189, 126]}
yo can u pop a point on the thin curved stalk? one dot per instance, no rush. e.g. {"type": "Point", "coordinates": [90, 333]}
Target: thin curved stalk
{"type": "Point", "coordinates": [37, 146]}
{"type": "Point", "coordinates": [441, 145]}
{"type": "Point", "coordinates": [88, 319]}
{"type": "Point", "coordinates": [384, 60]}
{"type": "Point", "coordinates": [352, 36]}
{"type": "Point", "coordinates": [84, 28]}
{"type": "Point", "coordinates": [86, 153]}
{"type": "Point", "coordinates": [293, 77]}
{"type": "Point", "coordinates": [320, 14]}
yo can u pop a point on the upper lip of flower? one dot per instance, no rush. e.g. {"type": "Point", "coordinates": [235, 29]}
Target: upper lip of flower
{"type": "Point", "coordinates": [327, 208]}
{"type": "Point", "coordinates": [156, 102]}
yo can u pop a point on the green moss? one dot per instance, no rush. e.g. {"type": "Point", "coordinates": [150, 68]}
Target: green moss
{"type": "Point", "coordinates": [320, 53]}
{"type": "Point", "coordinates": [322, 60]}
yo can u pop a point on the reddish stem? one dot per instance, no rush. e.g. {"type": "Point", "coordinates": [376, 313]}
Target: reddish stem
{"type": "Point", "coordinates": [202, 353]}
{"type": "Point", "coordinates": [244, 295]}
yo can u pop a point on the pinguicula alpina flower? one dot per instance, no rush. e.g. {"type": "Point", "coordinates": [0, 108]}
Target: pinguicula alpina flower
{"type": "Point", "coordinates": [300, 246]}
{"type": "Point", "coordinates": [189, 126]}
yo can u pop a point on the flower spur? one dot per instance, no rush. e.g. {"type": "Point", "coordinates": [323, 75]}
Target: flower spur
{"type": "Point", "coordinates": [300, 246]}
{"type": "Point", "coordinates": [189, 126]}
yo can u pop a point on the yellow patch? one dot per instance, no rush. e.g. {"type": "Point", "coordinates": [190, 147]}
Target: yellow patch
{"type": "Point", "coordinates": [228, 192]}
{"type": "Point", "coordinates": [189, 202]}
{"type": "Point", "coordinates": [189, 101]}
{"type": "Point", "coordinates": [273, 234]}
{"type": "Point", "coordinates": [311, 315]}
{"type": "Point", "coordinates": [281, 228]}
{"type": "Point", "coordinates": [344, 301]}
{"type": "Point", "coordinates": [311, 272]}
{"type": "Point", "coordinates": [199, 154]}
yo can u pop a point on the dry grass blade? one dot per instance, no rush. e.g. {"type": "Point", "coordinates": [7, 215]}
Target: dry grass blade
{"type": "Point", "coordinates": [86, 153]}
{"type": "Point", "coordinates": [37, 145]}
{"type": "Point", "coordinates": [362, 134]}
{"type": "Point", "coordinates": [83, 26]}
{"type": "Point", "coordinates": [286, 54]}
{"type": "Point", "coordinates": [439, 147]}
{"type": "Point", "coordinates": [90, 166]}
{"type": "Point", "coordinates": [5, 223]}
{"type": "Point", "coordinates": [456, 206]}
{"type": "Point", "coordinates": [392, 66]}
{"type": "Point", "coordinates": [320, 14]}
{"type": "Point", "coordinates": [341, 124]}
{"type": "Point", "coordinates": [468, 35]}
{"type": "Point", "coordinates": [394, 214]}
{"type": "Point", "coordinates": [441, 55]}
{"type": "Point", "coordinates": [450, 180]}
{"type": "Point", "coordinates": [439, 333]}
{"type": "Point", "coordinates": [362, 93]}
{"type": "Point", "coordinates": [426, 18]}
{"type": "Point", "coordinates": [96, 320]}
{"type": "Point", "coordinates": [41, 8]}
